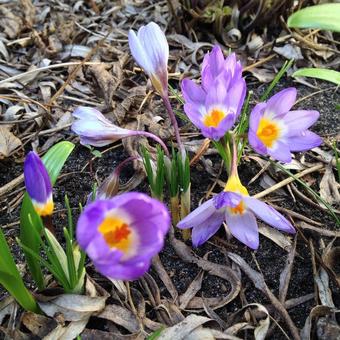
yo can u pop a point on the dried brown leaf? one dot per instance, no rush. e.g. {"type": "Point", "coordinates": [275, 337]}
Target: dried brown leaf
{"type": "Point", "coordinates": [329, 187]}
{"type": "Point", "coordinates": [8, 142]}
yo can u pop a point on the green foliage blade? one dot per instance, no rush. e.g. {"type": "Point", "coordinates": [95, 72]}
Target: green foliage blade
{"type": "Point", "coordinates": [11, 280]}
{"type": "Point", "coordinates": [319, 73]}
{"type": "Point", "coordinates": [54, 160]}
{"type": "Point", "coordinates": [324, 16]}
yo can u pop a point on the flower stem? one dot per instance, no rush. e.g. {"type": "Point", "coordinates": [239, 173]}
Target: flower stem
{"type": "Point", "coordinates": [173, 119]}
{"type": "Point", "coordinates": [152, 136]}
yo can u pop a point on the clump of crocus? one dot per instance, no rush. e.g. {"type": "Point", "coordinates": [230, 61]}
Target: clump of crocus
{"type": "Point", "coordinates": [94, 129]}
{"type": "Point", "coordinates": [150, 49]}
{"type": "Point", "coordinates": [238, 210]}
{"type": "Point", "coordinates": [214, 106]}
{"type": "Point", "coordinates": [122, 234]}
{"type": "Point", "coordinates": [38, 184]}
{"type": "Point", "coordinates": [276, 131]}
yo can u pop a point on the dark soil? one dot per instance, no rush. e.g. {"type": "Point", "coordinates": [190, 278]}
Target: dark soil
{"type": "Point", "coordinates": [271, 258]}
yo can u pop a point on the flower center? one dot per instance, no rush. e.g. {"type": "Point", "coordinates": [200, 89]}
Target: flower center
{"type": "Point", "coordinates": [44, 209]}
{"type": "Point", "coordinates": [116, 233]}
{"type": "Point", "coordinates": [268, 132]}
{"type": "Point", "coordinates": [213, 118]}
{"type": "Point", "coordinates": [239, 209]}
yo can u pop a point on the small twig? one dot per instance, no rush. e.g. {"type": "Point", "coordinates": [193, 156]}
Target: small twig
{"type": "Point", "coordinates": [288, 180]}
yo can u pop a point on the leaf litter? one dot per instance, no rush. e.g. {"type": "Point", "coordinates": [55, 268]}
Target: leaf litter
{"type": "Point", "coordinates": [54, 62]}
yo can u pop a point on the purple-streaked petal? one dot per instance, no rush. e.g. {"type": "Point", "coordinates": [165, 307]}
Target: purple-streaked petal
{"type": "Point", "coordinates": [303, 141]}
{"type": "Point", "coordinates": [212, 66]}
{"type": "Point", "coordinates": [226, 199]}
{"type": "Point", "coordinates": [281, 102]}
{"type": "Point", "coordinates": [216, 94]}
{"type": "Point", "coordinates": [192, 92]}
{"type": "Point", "coordinates": [198, 216]}
{"type": "Point", "coordinates": [90, 114]}
{"type": "Point", "coordinates": [297, 121]}
{"type": "Point", "coordinates": [139, 54]}
{"type": "Point", "coordinates": [155, 45]}
{"type": "Point", "coordinates": [37, 180]}
{"type": "Point", "coordinates": [202, 232]}
{"type": "Point", "coordinates": [280, 152]}
{"type": "Point", "coordinates": [244, 228]}
{"type": "Point", "coordinates": [269, 215]}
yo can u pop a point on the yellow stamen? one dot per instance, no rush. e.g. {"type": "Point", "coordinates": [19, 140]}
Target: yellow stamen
{"type": "Point", "coordinates": [116, 233]}
{"type": "Point", "coordinates": [268, 132]}
{"type": "Point", "coordinates": [213, 118]}
{"type": "Point", "coordinates": [44, 209]}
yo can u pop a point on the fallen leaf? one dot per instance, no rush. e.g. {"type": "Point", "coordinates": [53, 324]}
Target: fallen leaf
{"type": "Point", "coordinates": [329, 187]}
{"type": "Point", "coordinates": [8, 142]}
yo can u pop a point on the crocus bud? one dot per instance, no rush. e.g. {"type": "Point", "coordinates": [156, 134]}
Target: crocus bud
{"type": "Point", "coordinates": [150, 49]}
{"type": "Point", "coordinates": [38, 184]}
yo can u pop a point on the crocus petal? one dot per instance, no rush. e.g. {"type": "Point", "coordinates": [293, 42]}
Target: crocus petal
{"type": "Point", "coordinates": [192, 92]}
{"type": "Point", "coordinates": [216, 94]}
{"type": "Point", "coordinates": [303, 141]}
{"type": "Point", "coordinates": [122, 234]}
{"type": "Point", "coordinates": [269, 215]}
{"type": "Point", "coordinates": [281, 152]}
{"type": "Point", "coordinates": [297, 121]}
{"type": "Point", "coordinates": [195, 112]}
{"type": "Point", "coordinates": [198, 216]}
{"type": "Point", "coordinates": [244, 228]}
{"type": "Point", "coordinates": [155, 45]}
{"type": "Point", "coordinates": [202, 232]}
{"type": "Point", "coordinates": [227, 199]}
{"type": "Point", "coordinates": [256, 143]}
{"type": "Point", "coordinates": [216, 133]}
{"type": "Point", "coordinates": [280, 103]}
{"type": "Point", "coordinates": [255, 116]}
{"type": "Point", "coordinates": [236, 96]}
{"type": "Point", "coordinates": [212, 66]}
{"type": "Point", "coordinates": [38, 184]}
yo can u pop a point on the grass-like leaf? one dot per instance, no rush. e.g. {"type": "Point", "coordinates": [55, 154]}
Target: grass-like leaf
{"type": "Point", "coordinates": [11, 280]}
{"type": "Point", "coordinates": [319, 73]}
{"type": "Point", "coordinates": [54, 160]}
{"type": "Point", "coordinates": [325, 16]}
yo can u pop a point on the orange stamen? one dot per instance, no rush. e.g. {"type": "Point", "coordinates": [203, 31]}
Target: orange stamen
{"type": "Point", "coordinates": [268, 132]}
{"type": "Point", "coordinates": [213, 118]}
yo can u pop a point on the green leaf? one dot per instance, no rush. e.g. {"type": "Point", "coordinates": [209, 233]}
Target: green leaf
{"type": "Point", "coordinates": [156, 334]}
{"type": "Point", "coordinates": [319, 73]}
{"type": "Point", "coordinates": [11, 280]}
{"type": "Point", "coordinates": [54, 160]}
{"type": "Point", "coordinates": [325, 17]}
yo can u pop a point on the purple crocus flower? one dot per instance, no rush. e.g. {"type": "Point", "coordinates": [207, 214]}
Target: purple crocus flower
{"type": "Point", "coordinates": [276, 131]}
{"type": "Point", "coordinates": [238, 210]}
{"type": "Point", "coordinates": [94, 129]}
{"type": "Point", "coordinates": [150, 49]}
{"type": "Point", "coordinates": [38, 184]}
{"type": "Point", "coordinates": [122, 234]}
{"type": "Point", "coordinates": [214, 106]}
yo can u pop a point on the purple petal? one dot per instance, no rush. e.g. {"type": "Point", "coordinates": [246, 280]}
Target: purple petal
{"type": "Point", "coordinates": [281, 102]}
{"type": "Point", "coordinates": [244, 228]}
{"type": "Point", "coordinates": [139, 54]}
{"type": "Point", "coordinates": [236, 95]}
{"type": "Point", "coordinates": [195, 112]}
{"type": "Point", "coordinates": [256, 143]}
{"type": "Point", "coordinates": [269, 215]}
{"type": "Point", "coordinates": [217, 94]}
{"type": "Point", "coordinates": [280, 152]}
{"type": "Point", "coordinates": [213, 63]}
{"type": "Point", "coordinates": [192, 92]}
{"type": "Point", "coordinates": [198, 216]}
{"type": "Point", "coordinates": [305, 140]}
{"type": "Point", "coordinates": [218, 132]}
{"type": "Point", "coordinates": [226, 198]}
{"type": "Point", "coordinates": [202, 232]}
{"type": "Point", "coordinates": [37, 180]}
{"type": "Point", "coordinates": [297, 121]}
{"type": "Point", "coordinates": [256, 115]}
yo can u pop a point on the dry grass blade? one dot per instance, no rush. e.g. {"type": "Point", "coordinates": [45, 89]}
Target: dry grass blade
{"type": "Point", "coordinates": [260, 284]}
